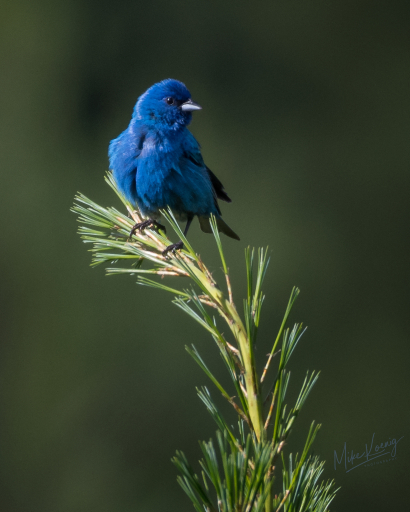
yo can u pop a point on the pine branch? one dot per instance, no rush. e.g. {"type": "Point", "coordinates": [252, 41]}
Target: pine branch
{"type": "Point", "coordinates": [240, 476]}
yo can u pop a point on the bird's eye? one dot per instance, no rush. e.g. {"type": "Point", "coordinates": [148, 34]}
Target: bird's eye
{"type": "Point", "coordinates": [170, 101]}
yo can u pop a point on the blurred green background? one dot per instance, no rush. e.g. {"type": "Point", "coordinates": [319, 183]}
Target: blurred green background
{"type": "Point", "coordinates": [306, 120]}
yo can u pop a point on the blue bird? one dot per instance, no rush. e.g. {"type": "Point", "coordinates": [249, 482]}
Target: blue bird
{"type": "Point", "coordinates": [157, 162]}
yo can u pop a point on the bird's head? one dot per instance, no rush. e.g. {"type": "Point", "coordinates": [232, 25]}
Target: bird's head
{"type": "Point", "coordinates": [166, 105]}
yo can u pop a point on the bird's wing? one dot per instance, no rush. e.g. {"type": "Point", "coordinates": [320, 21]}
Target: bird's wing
{"type": "Point", "coordinates": [218, 187]}
{"type": "Point", "coordinates": [123, 154]}
{"type": "Point", "coordinates": [193, 153]}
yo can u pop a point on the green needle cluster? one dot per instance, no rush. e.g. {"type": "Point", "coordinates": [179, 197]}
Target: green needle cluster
{"type": "Point", "coordinates": [242, 475]}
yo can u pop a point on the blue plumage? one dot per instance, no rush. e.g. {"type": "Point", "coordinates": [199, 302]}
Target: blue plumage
{"type": "Point", "coordinates": [157, 162]}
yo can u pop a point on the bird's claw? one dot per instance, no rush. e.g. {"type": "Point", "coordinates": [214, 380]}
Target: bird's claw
{"type": "Point", "coordinates": [172, 248]}
{"type": "Point", "coordinates": [146, 224]}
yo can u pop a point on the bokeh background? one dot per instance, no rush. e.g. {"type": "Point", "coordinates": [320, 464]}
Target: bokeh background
{"type": "Point", "coordinates": [306, 120]}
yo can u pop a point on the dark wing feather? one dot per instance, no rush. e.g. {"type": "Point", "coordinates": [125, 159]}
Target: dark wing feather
{"type": "Point", "coordinates": [218, 187]}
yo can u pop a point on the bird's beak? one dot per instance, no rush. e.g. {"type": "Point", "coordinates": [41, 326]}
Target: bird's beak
{"type": "Point", "coordinates": [190, 105]}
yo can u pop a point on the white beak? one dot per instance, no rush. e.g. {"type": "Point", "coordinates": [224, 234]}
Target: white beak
{"type": "Point", "coordinates": [190, 106]}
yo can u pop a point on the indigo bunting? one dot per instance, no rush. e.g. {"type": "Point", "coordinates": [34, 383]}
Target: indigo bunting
{"type": "Point", "coordinates": [157, 162]}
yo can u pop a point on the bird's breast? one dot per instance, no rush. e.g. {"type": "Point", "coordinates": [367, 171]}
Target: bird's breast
{"type": "Point", "coordinates": [159, 155]}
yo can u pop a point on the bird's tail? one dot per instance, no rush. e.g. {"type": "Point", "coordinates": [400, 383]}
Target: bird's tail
{"type": "Point", "coordinates": [222, 227]}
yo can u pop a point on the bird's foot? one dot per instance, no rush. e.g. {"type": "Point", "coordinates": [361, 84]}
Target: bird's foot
{"type": "Point", "coordinates": [147, 224]}
{"type": "Point", "coordinates": [172, 248]}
